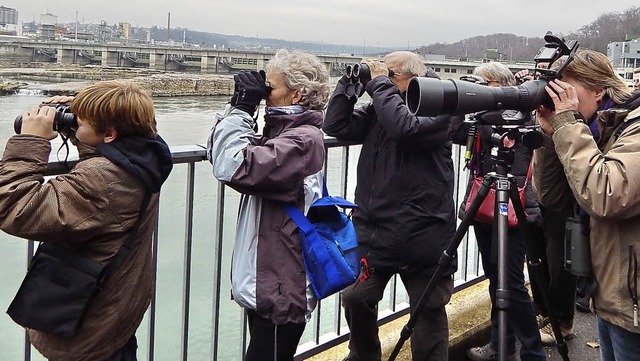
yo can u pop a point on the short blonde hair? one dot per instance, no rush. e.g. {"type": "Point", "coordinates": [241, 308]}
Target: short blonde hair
{"type": "Point", "coordinates": [118, 104]}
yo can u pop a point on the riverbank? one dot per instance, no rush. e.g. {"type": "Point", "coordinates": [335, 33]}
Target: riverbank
{"type": "Point", "coordinates": [54, 79]}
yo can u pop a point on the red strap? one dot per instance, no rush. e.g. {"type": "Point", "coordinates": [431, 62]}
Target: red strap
{"type": "Point", "coordinates": [528, 175]}
{"type": "Point", "coordinates": [364, 273]}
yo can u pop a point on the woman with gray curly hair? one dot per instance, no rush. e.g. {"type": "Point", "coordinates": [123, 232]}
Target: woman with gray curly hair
{"type": "Point", "coordinates": [300, 74]}
{"type": "Point", "coordinates": [284, 164]}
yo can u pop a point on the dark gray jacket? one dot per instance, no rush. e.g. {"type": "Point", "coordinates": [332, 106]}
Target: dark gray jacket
{"type": "Point", "coordinates": [404, 192]}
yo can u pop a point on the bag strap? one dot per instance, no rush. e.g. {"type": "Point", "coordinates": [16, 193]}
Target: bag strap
{"type": "Point", "coordinates": [124, 250]}
{"type": "Point", "coordinates": [302, 222]}
{"type": "Point", "coordinates": [299, 218]}
{"type": "Point", "coordinates": [526, 181]}
{"type": "Point", "coordinates": [325, 191]}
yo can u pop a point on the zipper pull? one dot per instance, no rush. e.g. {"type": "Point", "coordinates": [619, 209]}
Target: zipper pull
{"type": "Point", "coordinates": [635, 315]}
{"type": "Point", "coordinates": [338, 246]}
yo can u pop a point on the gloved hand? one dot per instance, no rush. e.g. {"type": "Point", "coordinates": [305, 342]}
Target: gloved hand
{"type": "Point", "coordinates": [252, 88]}
{"type": "Point", "coordinates": [234, 97]}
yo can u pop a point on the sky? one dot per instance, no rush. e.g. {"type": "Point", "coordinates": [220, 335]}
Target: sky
{"type": "Point", "coordinates": [367, 23]}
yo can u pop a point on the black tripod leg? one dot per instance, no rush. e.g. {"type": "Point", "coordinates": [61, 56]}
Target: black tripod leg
{"type": "Point", "coordinates": [534, 267]}
{"type": "Point", "coordinates": [443, 263]}
{"type": "Point", "coordinates": [502, 295]}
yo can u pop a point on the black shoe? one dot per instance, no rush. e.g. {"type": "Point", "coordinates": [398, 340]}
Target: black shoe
{"type": "Point", "coordinates": [582, 304]}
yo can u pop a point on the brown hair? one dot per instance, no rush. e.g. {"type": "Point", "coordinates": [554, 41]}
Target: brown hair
{"type": "Point", "coordinates": [594, 70]}
{"type": "Point", "coordinates": [118, 104]}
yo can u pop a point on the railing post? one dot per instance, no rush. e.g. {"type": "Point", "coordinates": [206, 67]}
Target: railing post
{"type": "Point", "coordinates": [217, 261]}
{"type": "Point", "coordinates": [186, 284]}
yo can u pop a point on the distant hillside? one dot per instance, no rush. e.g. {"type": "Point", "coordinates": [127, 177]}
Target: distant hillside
{"type": "Point", "coordinates": [596, 35]}
{"type": "Point", "coordinates": [613, 26]}
{"type": "Point", "coordinates": [222, 41]}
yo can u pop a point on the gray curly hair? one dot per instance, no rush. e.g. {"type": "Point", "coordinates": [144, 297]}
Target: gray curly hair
{"type": "Point", "coordinates": [497, 72]}
{"type": "Point", "coordinates": [304, 72]}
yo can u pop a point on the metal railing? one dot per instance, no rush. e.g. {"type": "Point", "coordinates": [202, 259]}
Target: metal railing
{"type": "Point", "coordinates": [327, 327]}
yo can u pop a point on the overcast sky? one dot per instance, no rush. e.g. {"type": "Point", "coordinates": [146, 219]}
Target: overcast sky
{"type": "Point", "coordinates": [368, 23]}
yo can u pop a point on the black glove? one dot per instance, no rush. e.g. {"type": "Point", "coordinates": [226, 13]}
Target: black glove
{"type": "Point", "coordinates": [234, 97]}
{"type": "Point", "coordinates": [252, 88]}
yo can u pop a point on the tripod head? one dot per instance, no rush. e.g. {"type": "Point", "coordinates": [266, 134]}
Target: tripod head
{"type": "Point", "coordinates": [508, 129]}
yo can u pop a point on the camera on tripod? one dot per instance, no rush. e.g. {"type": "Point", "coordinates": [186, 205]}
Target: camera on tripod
{"type": "Point", "coordinates": [64, 119]}
{"type": "Point", "coordinates": [432, 97]}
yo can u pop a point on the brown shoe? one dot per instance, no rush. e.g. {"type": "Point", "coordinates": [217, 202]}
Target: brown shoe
{"type": "Point", "coordinates": [548, 338]}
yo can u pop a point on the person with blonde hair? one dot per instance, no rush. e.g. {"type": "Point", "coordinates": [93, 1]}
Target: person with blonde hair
{"type": "Point", "coordinates": [284, 164]}
{"type": "Point", "coordinates": [93, 209]}
{"type": "Point", "coordinates": [593, 136]}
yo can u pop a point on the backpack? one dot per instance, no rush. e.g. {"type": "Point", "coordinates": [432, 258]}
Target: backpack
{"type": "Point", "coordinates": [329, 244]}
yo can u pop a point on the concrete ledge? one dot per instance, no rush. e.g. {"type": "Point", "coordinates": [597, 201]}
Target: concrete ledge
{"type": "Point", "coordinates": [469, 325]}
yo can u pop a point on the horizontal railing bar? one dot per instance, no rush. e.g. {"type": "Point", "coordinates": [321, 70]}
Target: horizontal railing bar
{"type": "Point", "coordinates": [192, 154]}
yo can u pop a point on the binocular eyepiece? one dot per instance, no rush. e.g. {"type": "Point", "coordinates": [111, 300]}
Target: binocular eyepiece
{"type": "Point", "coordinates": [64, 119]}
{"type": "Point", "coordinates": [360, 71]}
{"type": "Point", "coordinates": [358, 75]}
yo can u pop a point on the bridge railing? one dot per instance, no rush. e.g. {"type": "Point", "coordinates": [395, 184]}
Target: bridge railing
{"type": "Point", "coordinates": [191, 316]}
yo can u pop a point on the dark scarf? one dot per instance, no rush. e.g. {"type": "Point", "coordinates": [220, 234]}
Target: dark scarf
{"type": "Point", "coordinates": [148, 159]}
{"type": "Point", "coordinates": [593, 125]}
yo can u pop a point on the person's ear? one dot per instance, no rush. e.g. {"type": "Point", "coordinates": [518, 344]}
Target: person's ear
{"type": "Point", "coordinates": [110, 135]}
{"type": "Point", "coordinates": [297, 96]}
{"type": "Point", "coordinates": [599, 94]}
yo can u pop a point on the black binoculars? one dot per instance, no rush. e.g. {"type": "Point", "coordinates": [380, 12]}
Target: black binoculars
{"type": "Point", "coordinates": [64, 118]}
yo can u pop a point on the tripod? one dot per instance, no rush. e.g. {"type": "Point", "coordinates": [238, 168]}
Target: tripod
{"type": "Point", "coordinates": [506, 188]}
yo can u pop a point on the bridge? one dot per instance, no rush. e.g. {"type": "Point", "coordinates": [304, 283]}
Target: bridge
{"type": "Point", "coordinates": [161, 57]}
{"type": "Point", "coordinates": [186, 57]}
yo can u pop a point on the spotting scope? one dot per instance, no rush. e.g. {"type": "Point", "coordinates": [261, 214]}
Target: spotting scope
{"type": "Point", "coordinates": [432, 97]}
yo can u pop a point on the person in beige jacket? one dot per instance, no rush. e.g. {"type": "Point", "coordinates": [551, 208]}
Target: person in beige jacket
{"type": "Point", "coordinates": [594, 138]}
{"type": "Point", "coordinates": [92, 209]}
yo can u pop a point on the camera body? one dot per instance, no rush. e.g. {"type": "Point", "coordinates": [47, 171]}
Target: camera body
{"type": "Point", "coordinates": [64, 119]}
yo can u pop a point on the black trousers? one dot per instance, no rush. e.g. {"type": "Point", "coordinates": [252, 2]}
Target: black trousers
{"type": "Point", "coordinates": [127, 352]}
{"type": "Point", "coordinates": [271, 342]}
{"type": "Point", "coordinates": [430, 336]}
{"type": "Point", "coordinates": [561, 289]}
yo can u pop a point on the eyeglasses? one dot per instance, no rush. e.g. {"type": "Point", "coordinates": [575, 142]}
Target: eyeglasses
{"type": "Point", "coordinates": [394, 73]}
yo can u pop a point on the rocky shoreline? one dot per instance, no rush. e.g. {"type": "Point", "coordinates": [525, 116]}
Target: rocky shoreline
{"type": "Point", "coordinates": [68, 80]}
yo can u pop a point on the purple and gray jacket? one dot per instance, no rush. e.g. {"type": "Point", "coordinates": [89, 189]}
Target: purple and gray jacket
{"type": "Point", "coordinates": [282, 165]}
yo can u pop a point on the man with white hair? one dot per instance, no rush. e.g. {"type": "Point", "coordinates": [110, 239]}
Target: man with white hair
{"type": "Point", "coordinates": [406, 217]}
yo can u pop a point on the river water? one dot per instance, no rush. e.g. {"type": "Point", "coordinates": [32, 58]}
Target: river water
{"type": "Point", "coordinates": [181, 121]}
